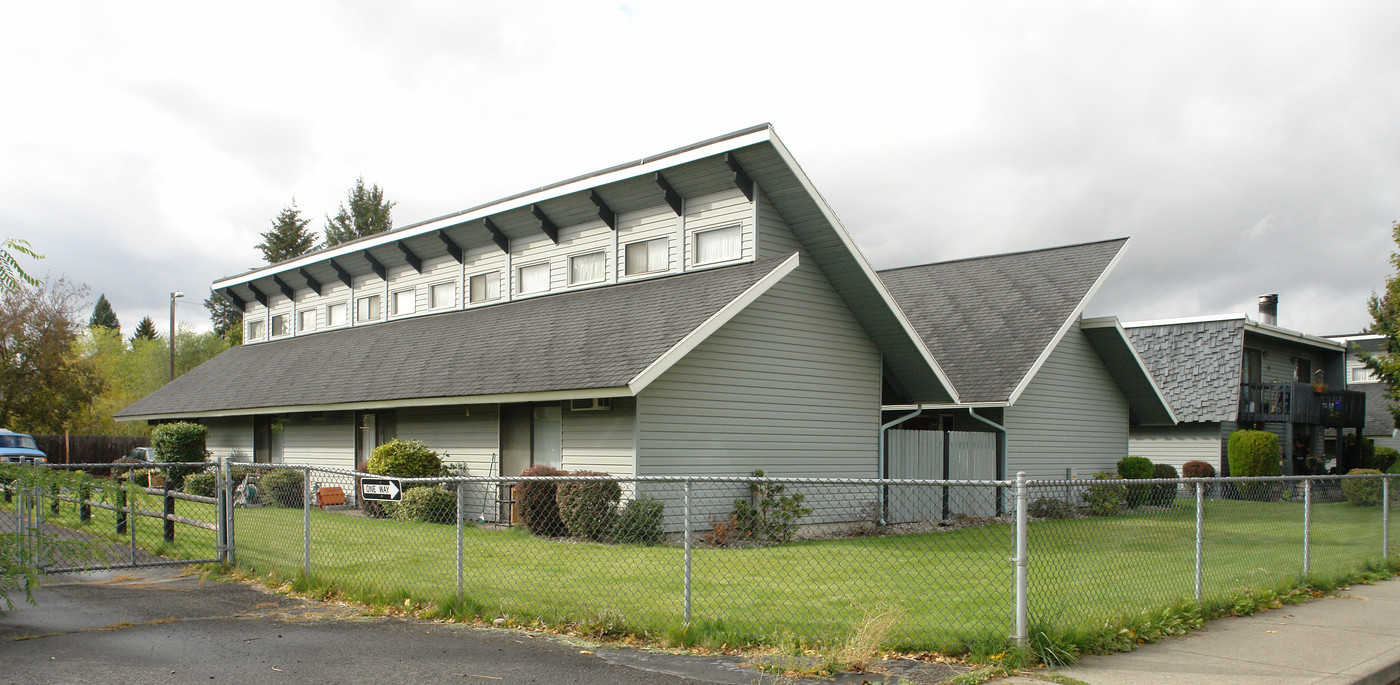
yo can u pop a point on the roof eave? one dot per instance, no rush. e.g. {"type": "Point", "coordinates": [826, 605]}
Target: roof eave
{"type": "Point", "coordinates": [1112, 323]}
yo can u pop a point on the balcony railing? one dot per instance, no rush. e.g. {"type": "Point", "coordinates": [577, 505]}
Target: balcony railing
{"type": "Point", "coordinates": [1301, 403]}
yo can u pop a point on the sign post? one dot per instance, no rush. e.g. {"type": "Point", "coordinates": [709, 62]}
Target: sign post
{"type": "Point", "coordinates": [383, 489]}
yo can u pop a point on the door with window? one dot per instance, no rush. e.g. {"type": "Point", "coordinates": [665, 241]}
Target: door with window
{"type": "Point", "coordinates": [372, 429]}
{"type": "Point", "coordinates": [1251, 375]}
{"type": "Point", "coordinates": [530, 436]}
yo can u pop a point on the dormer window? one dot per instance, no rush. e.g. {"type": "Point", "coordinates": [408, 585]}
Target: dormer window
{"type": "Point", "coordinates": [485, 287]}
{"type": "Point", "coordinates": [648, 256]}
{"type": "Point", "coordinates": [336, 314]}
{"type": "Point", "coordinates": [279, 325]}
{"type": "Point", "coordinates": [367, 309]}
{"type": "Point", "coordinates": [402, 303]}
{"type": "Point", "coordinates": [532, 279]}
{"type": "Point", "coordinates": [586, 268]}
{"type": "Point", "coordinates": [718, 245]}
{"type": "Point", "coordinates": [255, 330]}
{"type": "Point", "coordinates": [306, 321]}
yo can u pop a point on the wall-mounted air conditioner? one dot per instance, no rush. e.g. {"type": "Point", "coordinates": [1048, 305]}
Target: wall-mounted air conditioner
{"type": "Point", "coordinates": [593, 404]}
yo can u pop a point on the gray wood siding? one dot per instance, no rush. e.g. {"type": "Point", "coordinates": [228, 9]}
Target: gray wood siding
{"type": "Point", "coordinates": [327, 441]}
{"type": "Point", "coordinates": [791, 385]}
{"type": "Point", "coordinates": [229, 435]}
{"type": "Point", "coordinates": [461, 435]}
{"type": "Point", "coordinates": [600, 440]}
{"type": "Point", "coordinates": [1176, 445]}
{"type": "Point", "coordinates": [1071, 415]}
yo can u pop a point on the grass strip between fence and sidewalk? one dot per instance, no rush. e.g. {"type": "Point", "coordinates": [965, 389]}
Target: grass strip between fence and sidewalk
{"type": "Point", "coordinates": [1096, 583]}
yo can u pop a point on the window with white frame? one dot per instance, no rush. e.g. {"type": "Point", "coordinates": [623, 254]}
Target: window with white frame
{"type": "Point", "coordinates": [485, 287]}
{"type": "Point", "coordinates": [718, 244]}
{"type": "Point", "coordinates": [336, 314]}
{"type": "Point", "coordinates": [306, 320]}
{"type": "Point", "coordinates": [647, 256]}
{"type": "Point", "coordinates": [532, 279]}
{"type": "Point", "coordinates": [279, 325]}
{"type": "Point", "coordinates": [587, 268]}
{"type": "Point", "coordinates": [442, 295]}
{"type": "Point", "coordinates": [255, 329]}
{"type": "Point", "coordinates": [402, 302]}
{"type": "Point", "coordinates": [1361, 374]}
{"type": "Point", "coordinates": [367, 308]}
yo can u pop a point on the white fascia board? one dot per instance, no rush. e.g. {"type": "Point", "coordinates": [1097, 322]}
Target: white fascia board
{"type": "Point", "coordinates": [586, 183]}
{"type": "Point", "coordinates": [1208, 318]}
{"type": "Point", "coordinates": [710, 325]}
{"type": "Point", "coordinates": [1064, 327]}
{"type": "Point", "coordinates": [1294, 336]}
{"type": "Point", "coordinates": [1114, 323]}
{"type": "Point", "coordinates": [545, 396]}
{"type": "Point", "coordinates": [1356, 338]}
{"type": "Point", "coordinates": [840, 230]}
{"type": "Point", "coordinates": [944, 405]}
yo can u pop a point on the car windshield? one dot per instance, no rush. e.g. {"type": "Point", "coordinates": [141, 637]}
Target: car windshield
{"type": "Point", "coordinates": [23, 441]}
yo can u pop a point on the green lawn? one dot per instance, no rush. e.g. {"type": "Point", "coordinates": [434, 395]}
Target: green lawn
{"type": "Point", "coordinates": [951, 587]}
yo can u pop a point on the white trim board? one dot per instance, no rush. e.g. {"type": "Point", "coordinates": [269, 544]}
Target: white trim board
{"type": "Point", "coordinates": [1112, 322]}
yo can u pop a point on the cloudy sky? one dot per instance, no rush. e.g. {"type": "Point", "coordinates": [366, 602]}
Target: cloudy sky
{"type": "Point", "coordinates": [1247, 148]}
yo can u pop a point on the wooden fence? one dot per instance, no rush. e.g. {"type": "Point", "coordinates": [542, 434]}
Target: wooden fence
{"type": "Point", "coordinates": [88, 449]}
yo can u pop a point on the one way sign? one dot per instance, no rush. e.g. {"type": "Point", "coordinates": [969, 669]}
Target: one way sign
{"type": "Point", "coordinates": [381, 489]}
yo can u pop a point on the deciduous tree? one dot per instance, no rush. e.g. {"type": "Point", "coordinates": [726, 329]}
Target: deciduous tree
{"type": "Point", "coordinates": [43, 381]}
{"type": "Point", "coordinates": [1385, 321]}
{"type": "Point", "coordinates": [12, 275]}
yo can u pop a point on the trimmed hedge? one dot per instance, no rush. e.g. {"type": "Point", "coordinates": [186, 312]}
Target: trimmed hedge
{"type": "Point", "coordinates": [1136, 468]}
{"type": "Point", "coordinates": [588, 508]}
{"type": "Point", "coordinates": [284, 487]}
{"type": "Point", "coordinates": [179, 442]}
{"type": "Point", "coordinates": [427, 504]}
{"type": "Point", "coordinates": [203, 484]}
{"type": "Point", "coordinates": [1385, 460]}
{"type": "Point", "coordinates": [405, 459]}
{"type": "Point", "coordinates": [640, 522]}
{"type": "Point", "coordinates": [1197, 469]}
{"type": "Point", "coordinates": [1254, 453]}
{"type": "Point", "coordinates": [1362, 492]}
{"type": "Point", "coordinates": [535, 501]}
{"type": "Point", "coordinates": [1163, 494]}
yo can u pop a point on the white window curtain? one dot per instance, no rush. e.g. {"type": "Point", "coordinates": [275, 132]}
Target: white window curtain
{"type": "Point", "coordinates": [307, 321]}
{"type": "Point", "coordinates": [717, 245]}
{"type": "Point", "coordinates": [367, 309]}
{"type": "Point", "coordinates": [279, 324]}
{"type": "Point", "coordinates": [533, 278]}
{"type": "Point", "coordinates": [255, 330]}
{"type": "Point", "coordinates": [586, 268]}
{"type": "Point", "coordinates": [652, 255]}
{"type": "Point", "coordinates": [485, 287]}
{"type": "Point", "coordinates": [403, 303]}
{"type": "Point", "coordinates": [444, 295]}
{"type": "Point", "coordinates": [335, 315]}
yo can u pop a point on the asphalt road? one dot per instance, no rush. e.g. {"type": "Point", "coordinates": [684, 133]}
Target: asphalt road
{"type": "Point", "coordinates": [164, 626]}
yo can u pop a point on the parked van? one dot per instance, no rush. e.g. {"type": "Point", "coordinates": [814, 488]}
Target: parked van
{"type": "Point", "coordinates": [18, 448]}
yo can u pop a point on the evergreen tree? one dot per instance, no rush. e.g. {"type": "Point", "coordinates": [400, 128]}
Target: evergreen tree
{"type": "Point", "coordinates": [146, 330]}
{"type": "Point", "coordinates": [367, 214]}
{"type": "Point", "coordinates": [227, 319]}
{"type": "Point", "coordinates": [289, 236]}
{"type": "Point", "coordinates": [102, 315]}
{"type": "Point", "coordinates": [1385, 317]}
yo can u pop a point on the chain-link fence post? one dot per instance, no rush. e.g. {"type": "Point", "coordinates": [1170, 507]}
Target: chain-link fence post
{"type": "Point", "coordinates": [461, 514]}
{"type": "Point", "coordinates": [38, 536]}
{"type": "Point", "coordinates": [306, 521]}
{"type": "Point", "coordinates": [229, 536]}
{"type": "Point", "coordinates": [1022, 565]}
{"type": "Point", "coordinates": [131, 511]}
{"type": "Point", "coordinates": [1307, 527]}
{"type": "Point", "coordinates": [1200, 540]}
{"type": "Point", "coordinates": [220, 500]}
{"type": "Point", "coordinates": [23, 516]}
{"type": "Point", "coordinates": [1385, 517]}
{"type": "Point", "coordinates": [687, 551]}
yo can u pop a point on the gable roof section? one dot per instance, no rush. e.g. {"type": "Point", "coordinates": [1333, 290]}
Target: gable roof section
{"type": "Point", "coordinates": [1129, 371]}
{"type": "Point", "coordinates": [992, 321]}
{"type": "Point", "coordinates": [1197, 364]}
{"type": "Point", "coordinates": [596, 341]}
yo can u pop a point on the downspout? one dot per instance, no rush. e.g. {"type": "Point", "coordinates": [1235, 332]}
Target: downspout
{"type": "Point", "coordinates": [884, 427]}
{"type": "Point", "coordinates": [1001, 452]}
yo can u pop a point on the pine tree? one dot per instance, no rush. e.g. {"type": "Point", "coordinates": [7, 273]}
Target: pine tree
{"type": "Point", "coordinates": [289, 236]}
{"type": "Point", "coordinates": [367, 214]}
{"type": "Point", "coordinates": [227, 319]}
{"type": "Point", "coordinates": [1385, 317]}
{"type": "Point", "coordinates": [146, 330]}
{"type": "Point", "coordinates": [102, 315]}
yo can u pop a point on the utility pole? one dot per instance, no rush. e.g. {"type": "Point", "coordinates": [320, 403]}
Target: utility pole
{"type": "Point", "coordinates": [173, 296]}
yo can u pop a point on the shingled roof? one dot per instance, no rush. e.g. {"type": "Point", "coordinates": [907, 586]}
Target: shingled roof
{"type": "Point", "coordinates": [596, 338]}
{"type": "Point", "coordinates": [1197, 365]}
{"type": "Point", "coordinates": [988, 320]}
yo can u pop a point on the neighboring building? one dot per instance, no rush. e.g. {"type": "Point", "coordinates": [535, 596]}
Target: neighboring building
{"type": "Point", "coordinates": [1221, 373]}
{"type": "Point", "coordinates": [697, 312]}
{"type": "Point", "coordinates": [1059, 391]}
{"type": "Point", "coordinates": [1380, 423]}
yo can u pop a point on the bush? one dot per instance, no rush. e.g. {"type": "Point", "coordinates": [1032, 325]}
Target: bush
{"type": "Point", "coordinates": [1104, 498]}
{"type": "Point", "coordinates": [1163, 494]}
{"type": "Point", "coordinates": [1136, 468]}
{"type": "Point", "coordinates": [203, 484]}
{"type": "Point", "coordinates": [1197, 469]}
{"type": "Point", "coordinates": [1050, 508]}
{"type": "Point", "coordinates": [768, 514]}
{"type": "Point", "coordinates": [1367, 457]}
{"type": "Point", "coordinates": [284, 487]}
{"type": "Point", "coordinates": [405, 459]}
{"type": "Point", "coordinates": [1385, 459]}
{"type": "Point", "coordinates": [429, 504]}
{"type": "Point", "coordinates": [1394, 468]}
{"type": "Point", "coordinates": [1255, 453]}
{"type": "Point", "coordinates": [588, 508]}
{"type": "Point", "coordinates": [1362, 492]}
{"type": "Point", "coordinates": [640, 522]}
{"type": "Point", "coordinates": [536, 503]}
{"type": "Point", "coordinates": [179, 442]}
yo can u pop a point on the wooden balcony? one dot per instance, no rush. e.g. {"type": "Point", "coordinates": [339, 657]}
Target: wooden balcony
{"type": "Point", "coordinates": [1300, 403]}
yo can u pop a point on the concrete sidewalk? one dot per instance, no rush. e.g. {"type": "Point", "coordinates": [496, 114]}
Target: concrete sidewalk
{"type": "Point", "coordinates": [1353, 637]}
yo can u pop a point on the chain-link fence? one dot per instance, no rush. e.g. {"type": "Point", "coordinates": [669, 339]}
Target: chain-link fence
{"type": "Point", "coordinates": [945, 563]}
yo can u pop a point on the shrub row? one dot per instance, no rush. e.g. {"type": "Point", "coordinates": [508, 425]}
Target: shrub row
{"type": "Point", "coordinates": [586, 509]}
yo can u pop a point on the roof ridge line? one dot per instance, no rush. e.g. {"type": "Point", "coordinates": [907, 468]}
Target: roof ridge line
{"type": "Point", "coordinates": [1004, 254]}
